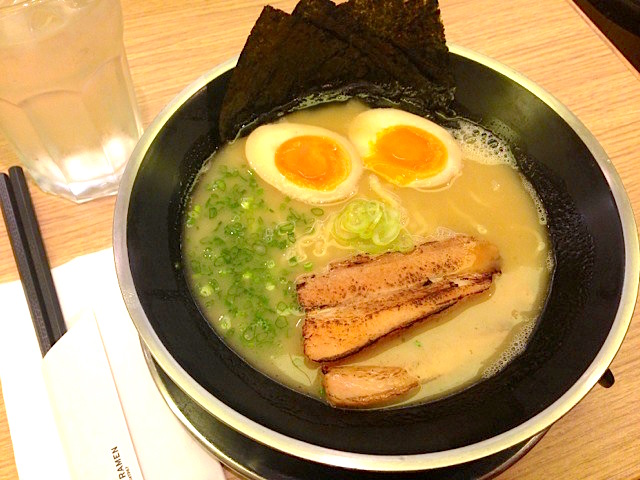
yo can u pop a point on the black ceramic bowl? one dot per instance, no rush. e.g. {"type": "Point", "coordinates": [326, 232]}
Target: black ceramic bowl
{"type": "Point", "coordinates": [585, 318]}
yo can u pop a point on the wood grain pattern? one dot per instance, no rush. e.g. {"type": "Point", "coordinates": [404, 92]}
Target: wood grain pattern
{"type": "Point", "coordinates": [7, 463]}
{"type": "Point", "coordinates": [169, 44]}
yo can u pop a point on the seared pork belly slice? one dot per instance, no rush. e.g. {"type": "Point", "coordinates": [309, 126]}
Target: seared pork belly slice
{"type": "Point", "coordinates": [335, 332]}
{"type": "Point", "coordinates": [364, 386]}
{"type": "Point", "coordinates": [364, 275]}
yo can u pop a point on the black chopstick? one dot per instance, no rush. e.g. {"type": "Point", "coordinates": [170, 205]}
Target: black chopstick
{"type": "Point", "coordinates": [31, 258]}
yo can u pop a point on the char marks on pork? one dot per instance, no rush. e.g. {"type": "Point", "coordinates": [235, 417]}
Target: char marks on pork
{"type": "Point", "coordinates": [360, 300]}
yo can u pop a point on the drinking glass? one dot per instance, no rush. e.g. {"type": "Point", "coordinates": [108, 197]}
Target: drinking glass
{"type": "Point", "coordinates": [67, 103]}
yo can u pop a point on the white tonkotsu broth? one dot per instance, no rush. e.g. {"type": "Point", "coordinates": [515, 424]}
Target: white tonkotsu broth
{"type": "Point", "coordinates": [489, 199]}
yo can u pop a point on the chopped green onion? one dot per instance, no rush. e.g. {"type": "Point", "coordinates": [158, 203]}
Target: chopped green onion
{"type": "Point", "coordinates": [285, 228]}
{"type": "Point", "coordinates": [225, 322]}
{"type": "Point", "coordinates": [206, 290]}
{"type": "Point", "coordinates": [282, 308]}
{"type": "Point", "coordinates": [214, 284]}
{"type": "Point", "coordinates": [195, 266]}
{"type": "Point", "coordinates": [246, 203]}
{"type": "Point", "coordinates": [370, 226]}
{"type": "Point", "coordinates": [249, 333]}
{"type": "Point", "coordinates": [241, 243]}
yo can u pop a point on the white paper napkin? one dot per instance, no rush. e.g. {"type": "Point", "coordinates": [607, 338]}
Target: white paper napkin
{"type": "Point", "coordinates": [87, 408]}
{"type": "Point", "coordinates": [165, 449]}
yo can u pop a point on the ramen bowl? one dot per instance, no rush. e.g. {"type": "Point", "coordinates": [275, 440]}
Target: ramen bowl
{"type": "Point", "coordinates": [582, 325]}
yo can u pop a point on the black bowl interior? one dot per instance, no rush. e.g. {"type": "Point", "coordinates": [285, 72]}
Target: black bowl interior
{"type": "Point", "coordinates": [587, 239]}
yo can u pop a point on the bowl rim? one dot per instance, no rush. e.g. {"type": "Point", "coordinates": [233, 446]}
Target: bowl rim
{"type": "Point", "coordinates": [360, 461]}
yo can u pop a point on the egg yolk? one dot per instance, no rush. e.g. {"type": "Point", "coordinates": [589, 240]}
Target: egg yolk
{"type": "Point", "coordinates": [313, 162]}
{"type": "Point", "coordinates": [403, 154]}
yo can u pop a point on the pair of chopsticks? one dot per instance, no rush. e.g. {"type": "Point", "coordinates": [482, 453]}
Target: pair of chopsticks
{"type": "Point", "coordinates": [31, 258]}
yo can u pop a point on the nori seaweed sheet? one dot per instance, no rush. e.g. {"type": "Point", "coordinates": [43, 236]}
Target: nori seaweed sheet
{"type": "Point", "coordinates": [330, 51]}
{"type": "Point", "coordinates": [376, 40]}
{"type": "Point", "coordinates": [415, 28]}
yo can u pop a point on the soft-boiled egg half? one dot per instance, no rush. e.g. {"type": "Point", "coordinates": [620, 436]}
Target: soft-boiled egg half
{"type": "Point", "coordinates": [405, 149]}
{"type": "Point", "coordinates": [308, 163]}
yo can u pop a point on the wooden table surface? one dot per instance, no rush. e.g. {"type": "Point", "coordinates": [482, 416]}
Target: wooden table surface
{"type": "Point", "coordinates": [169, 44]}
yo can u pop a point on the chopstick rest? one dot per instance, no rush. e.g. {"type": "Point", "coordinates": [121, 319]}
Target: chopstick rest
{"type": "Point", "coordinates": [87, 408]}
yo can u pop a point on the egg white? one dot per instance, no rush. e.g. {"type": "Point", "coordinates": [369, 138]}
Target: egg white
{"type": "Point", "coordinates": [365, 127]}
{"type": "Point", "coordinates": [260, 150]}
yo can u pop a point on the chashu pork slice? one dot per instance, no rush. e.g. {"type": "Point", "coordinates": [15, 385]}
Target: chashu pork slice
{"type": "Point", "coordinates": [368, 276]}
{"type": "Point", "coordinates": [365, 386]}
{"type": "Point", "coordinates": [333, 333]}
